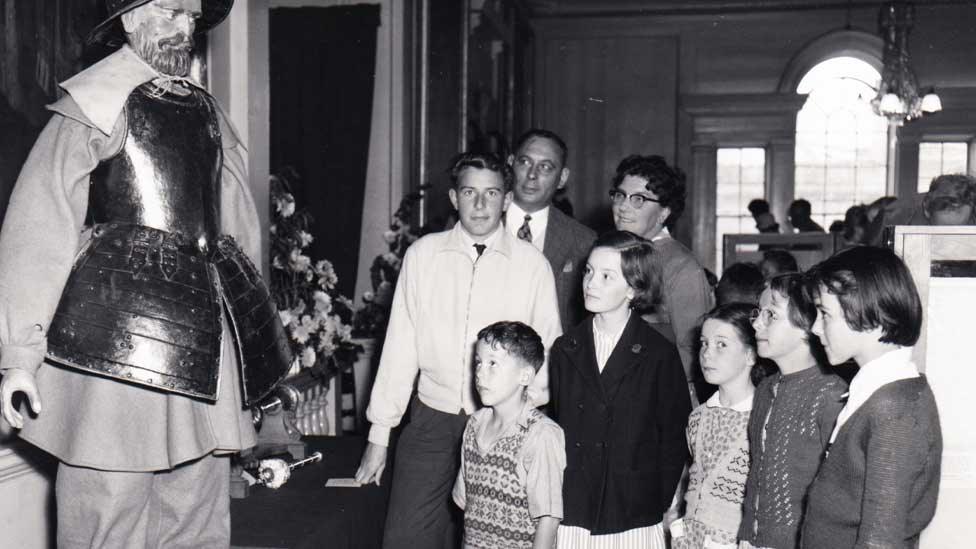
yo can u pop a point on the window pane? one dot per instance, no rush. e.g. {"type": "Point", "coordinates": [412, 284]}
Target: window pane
{"type": "Point", "coordinates": [840, 141]}
{"type": "Point", "coordinates": [741, 177]}
{"type": "Point", "coordinates": [935, 159]}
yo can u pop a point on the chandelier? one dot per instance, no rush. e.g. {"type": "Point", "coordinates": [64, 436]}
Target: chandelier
{"type": "Point", "coordinates": [898, 96]}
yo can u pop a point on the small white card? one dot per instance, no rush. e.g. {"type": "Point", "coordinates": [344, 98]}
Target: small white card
{"type": "Point", "coordinates": [342, 483]}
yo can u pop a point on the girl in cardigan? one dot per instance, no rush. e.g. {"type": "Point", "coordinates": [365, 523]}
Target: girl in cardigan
{"type": "Point", "coordinates": [880, 481]}
{"type": "Point", "coordinates": [793, 414]}
{"type": "Point", "coordinates": [717, 433]}
{"type": "Point", "coordinates": [618, 390]}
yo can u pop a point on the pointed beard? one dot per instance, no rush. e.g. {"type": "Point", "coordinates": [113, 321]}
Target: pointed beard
{"type": "Point", "coordinates": [169, 56]}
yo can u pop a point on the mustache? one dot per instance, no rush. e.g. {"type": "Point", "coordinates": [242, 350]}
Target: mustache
{"type": "Point", "coordinates": [177, 41]}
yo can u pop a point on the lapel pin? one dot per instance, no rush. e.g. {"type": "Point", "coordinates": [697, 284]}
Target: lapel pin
{"type": "Point", "coordinates": [636, 348]}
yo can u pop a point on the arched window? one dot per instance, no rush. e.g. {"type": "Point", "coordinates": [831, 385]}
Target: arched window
{"type": "Point", "coordinates": [840, 141]}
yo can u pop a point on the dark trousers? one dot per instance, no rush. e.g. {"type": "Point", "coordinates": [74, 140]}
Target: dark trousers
{"type": "Point", "coordinates": [428, 457]}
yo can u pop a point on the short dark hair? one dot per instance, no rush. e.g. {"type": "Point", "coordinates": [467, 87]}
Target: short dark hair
{"type": "Point", "coordinates": [739, 316]}
{"type": "Point", "coordinates": [950, 189]}
{"type": "Point", "coordinates": [758, 206]}
{"type": "Point", "coordinates": [518, 340]}
{"type": "Point", "coordinates": [782, 260]}
{"type": "Point", "coordinates": [638, 263]}
{"type": "Point", "coordinates": [855, 216]}
{"type": "Point", "coordinates": [741, 282]}
{"type": "Point", "coordinates": [801, 310]}
{"type": "Point", "coordinates": [874, 288]}
{"type": "Point", "coordinates": [481, 161]}
{"type": "Point", "coordinates": [543, 134]}
{"type": "Point", "coordinates": [665, 181]}
{"type": "Point", "coordinates": [800, 208]}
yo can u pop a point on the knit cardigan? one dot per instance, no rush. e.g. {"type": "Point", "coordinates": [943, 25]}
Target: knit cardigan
{"type": "Point", "coordinates": [785, 452]}
{"type": "Point", "coordinates": [879, 484]}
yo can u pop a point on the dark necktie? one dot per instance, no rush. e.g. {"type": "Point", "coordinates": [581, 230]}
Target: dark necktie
{"type": "Point", "coordinates": [480, 248]}
{"type": "Point", "coordinates": [525, 232]}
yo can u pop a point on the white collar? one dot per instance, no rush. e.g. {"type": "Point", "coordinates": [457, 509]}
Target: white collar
{"type": "Point", "coordinates": [663, 233]}
{"type": "Point", "coordinates": [745, 405]}
{"type": "Point", "coordinates": [515, 213]}
{"type": "Point", "coordinates": [467, 241]}
{"type": "Point", "coordinates": [102, 89]}
{"type": "Point", "coordinates": [891, 366]}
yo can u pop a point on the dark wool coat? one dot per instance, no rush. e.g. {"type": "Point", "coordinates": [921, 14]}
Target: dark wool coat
{"type": "Point", "coordinates": [624, 427]}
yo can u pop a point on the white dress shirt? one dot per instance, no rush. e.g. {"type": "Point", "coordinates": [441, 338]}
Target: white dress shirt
{"type": "Point", "coordinates": [515, 217]}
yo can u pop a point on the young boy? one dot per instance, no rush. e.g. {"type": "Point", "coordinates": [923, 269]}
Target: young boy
{"type": "Point", "coordinates": [512, 459]}
{"type": "Point", "coordinates": [879, 483]}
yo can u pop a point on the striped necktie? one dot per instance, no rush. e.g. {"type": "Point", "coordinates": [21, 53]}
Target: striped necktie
{"type": "Point", "coordinates": [525, 232]}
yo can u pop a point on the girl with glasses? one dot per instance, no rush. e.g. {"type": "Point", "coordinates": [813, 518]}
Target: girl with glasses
{"type": "Point", "coordinates": [792, 417]}
{"type": "Point", "coordinates": [717, 432]}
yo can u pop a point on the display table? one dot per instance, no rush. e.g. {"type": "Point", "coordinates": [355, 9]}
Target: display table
{"type": "Point", "coordinates": [306, 514]}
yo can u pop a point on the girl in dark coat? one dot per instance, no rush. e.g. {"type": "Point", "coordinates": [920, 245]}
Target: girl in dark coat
{"type": "Point", "coordinates": [618, 391]}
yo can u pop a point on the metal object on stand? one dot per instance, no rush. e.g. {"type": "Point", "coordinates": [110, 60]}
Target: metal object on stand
{"type": "Point", "coordinates": [274, 473]}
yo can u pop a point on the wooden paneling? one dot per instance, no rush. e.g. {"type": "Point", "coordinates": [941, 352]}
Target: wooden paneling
{"type": "Point", "coordinates": [607, 97]}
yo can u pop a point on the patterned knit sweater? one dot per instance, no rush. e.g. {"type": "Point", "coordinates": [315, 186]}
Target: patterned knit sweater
{"type": "Point", "coordinates": [879, 484]}
{"type": "Point", "coordinates": [792, 418]}
{"type": "Point", "coordinates": [497, 506]}
{"type": "Point", "coordinates": [717, 479]}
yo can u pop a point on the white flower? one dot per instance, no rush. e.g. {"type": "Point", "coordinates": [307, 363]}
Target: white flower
{"type": "Point", "coordinates": [300, 332]}
{"type": "Point", "coordinates": [344, 331]}
{"type": "Point", "coordinates": [277, 264]}
{"type": "Point", "coordinates": [368, 297]}
{"type": "Point", "coordinates": [285, 204]}
{"type": "Point", "coordinates": [298, 261]}
{"type": "Point", "coordinates": [390, 237]}
{"type": "Point", "coordinates": [346, 301]}
{"type": "Point", "coordinates": [286, 317]}
{"type": "Point", "coordinates": [308, 357]}
{"type": "Point", "coordinates": [304, 239]}
{"type": "Point", "coordinates": [274, 229]}
{"type": "Point", "coordinates": [323, 302]}
{"type": "Point", "coordinates": [326, 274]}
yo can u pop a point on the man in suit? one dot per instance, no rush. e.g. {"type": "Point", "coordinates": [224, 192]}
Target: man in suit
{"type": "Point", "coordinates": [540, 170]}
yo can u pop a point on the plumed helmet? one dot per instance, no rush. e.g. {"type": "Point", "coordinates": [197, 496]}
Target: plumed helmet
{"type": "Point", "coordinates": [109, 32]}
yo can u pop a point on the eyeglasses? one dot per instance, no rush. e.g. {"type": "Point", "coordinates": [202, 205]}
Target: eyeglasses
{"type": "Point", "coordinates": [763, 316]}
{"type": "Point", "coordinates": [636, 200]}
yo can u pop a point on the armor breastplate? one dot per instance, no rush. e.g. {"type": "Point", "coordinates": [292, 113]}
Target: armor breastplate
{"type": "Point", "coordinates": [144, 300]}
{"type": "Point", "coordinates": [167, 174]}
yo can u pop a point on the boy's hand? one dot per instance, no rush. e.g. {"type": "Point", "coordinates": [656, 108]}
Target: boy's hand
{"type": "Point", "coordinates": [16, 381]}
{"type": "Point", "coordinates": [372, 465]}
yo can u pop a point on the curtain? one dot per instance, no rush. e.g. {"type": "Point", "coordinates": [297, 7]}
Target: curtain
{"type": "Point", "coordinates": [322, 64]}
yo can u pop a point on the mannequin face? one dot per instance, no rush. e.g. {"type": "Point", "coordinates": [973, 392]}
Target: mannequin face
{"type": "Point", "coordinates": [161, 32]}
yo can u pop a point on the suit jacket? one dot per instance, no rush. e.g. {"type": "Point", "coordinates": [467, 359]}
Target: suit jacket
{"type": "Point", "coordinates": [567, 245]}
{"type": "Point", "coordinates": [624, 427]}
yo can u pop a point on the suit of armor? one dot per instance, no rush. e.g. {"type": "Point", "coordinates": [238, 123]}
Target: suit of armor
{"type": "Point", "coordinates": [143, 301]}
{"type": "Point", "coordinates": [127, 292]}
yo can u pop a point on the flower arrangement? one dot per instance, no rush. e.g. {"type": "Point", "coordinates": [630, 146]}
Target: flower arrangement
{"type": "Point", "coordinates": [371, 319]}
{"type": "Point", "coordinates": [316, 317]}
